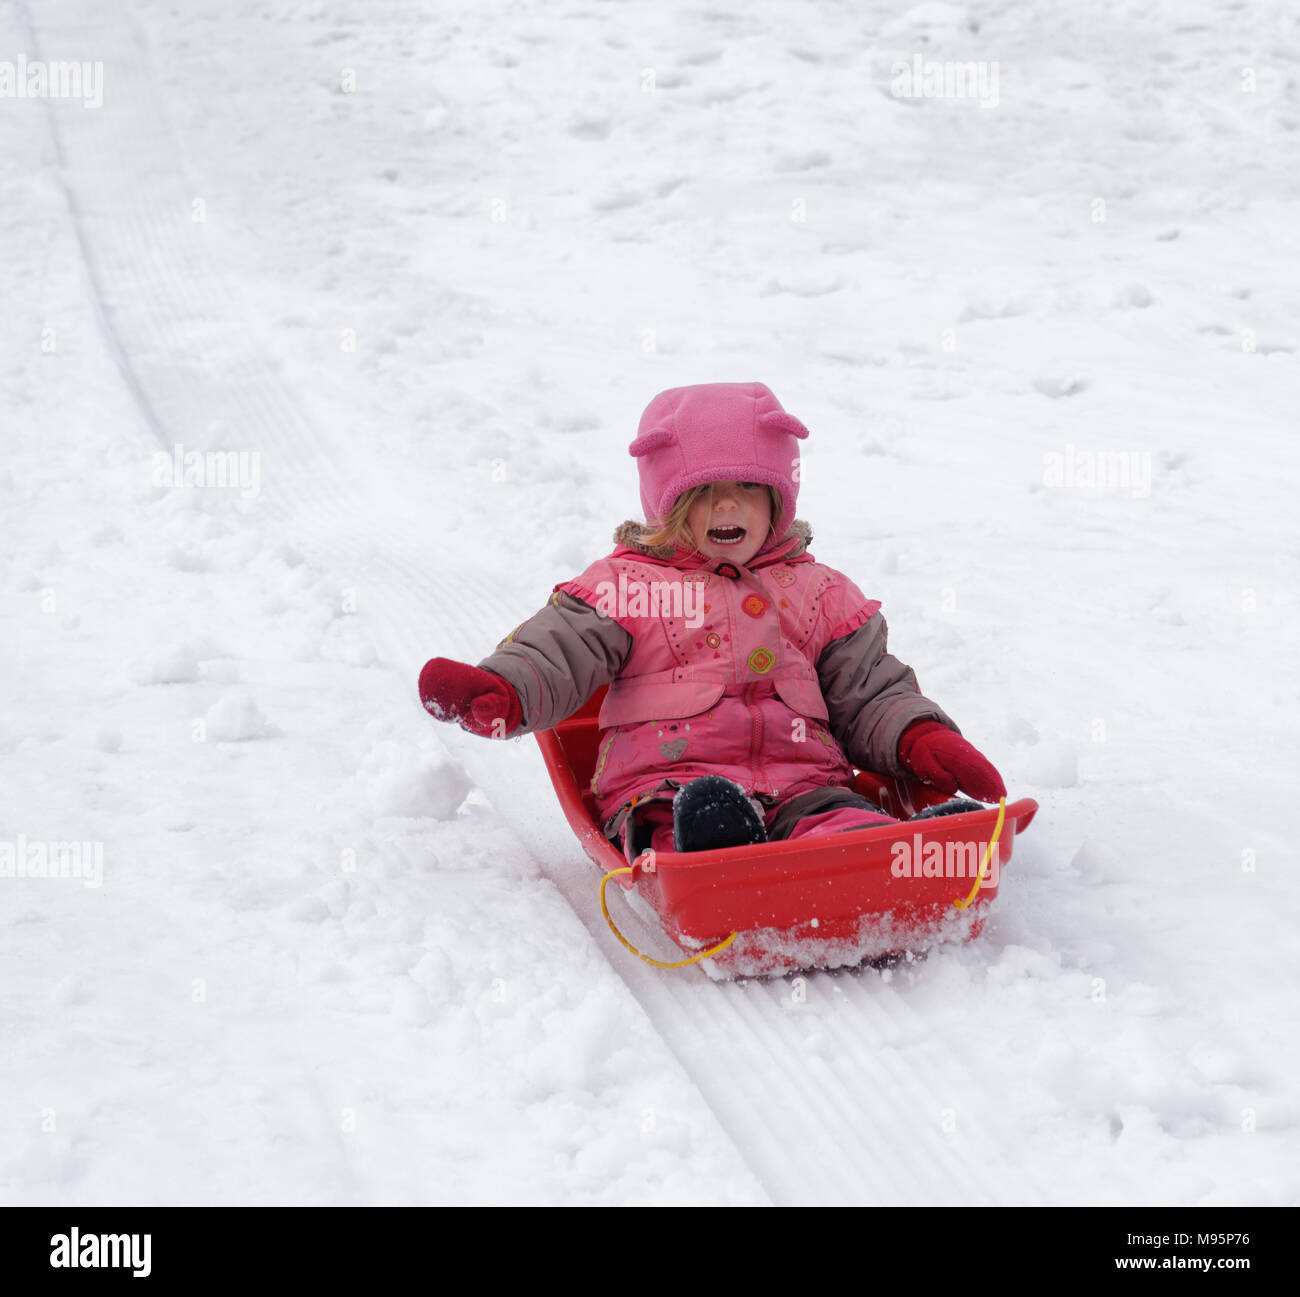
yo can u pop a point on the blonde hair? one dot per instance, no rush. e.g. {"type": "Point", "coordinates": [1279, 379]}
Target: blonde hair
{"type": "Point", "coordinates": [673, 530]}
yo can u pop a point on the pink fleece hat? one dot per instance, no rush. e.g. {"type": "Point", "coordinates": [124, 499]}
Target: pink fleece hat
{"type": "Point", "coordinates": [716, 432]}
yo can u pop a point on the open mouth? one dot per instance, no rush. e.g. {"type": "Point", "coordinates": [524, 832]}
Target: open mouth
{"type": "Point", "coordinates": [726, 535]}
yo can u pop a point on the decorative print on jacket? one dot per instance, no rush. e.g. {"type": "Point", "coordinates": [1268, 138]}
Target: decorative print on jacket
{"type": "Point", "coordinates": [744, 678]}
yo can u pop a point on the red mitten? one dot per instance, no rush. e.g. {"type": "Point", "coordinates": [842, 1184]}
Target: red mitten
{"type": "Point", "coordinates": [934, 753]}
{"type": "Point", "coordinates": [476, 700]}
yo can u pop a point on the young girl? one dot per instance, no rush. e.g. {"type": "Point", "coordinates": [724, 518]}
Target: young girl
{"type": "Point", "coordinates": [745, 678]}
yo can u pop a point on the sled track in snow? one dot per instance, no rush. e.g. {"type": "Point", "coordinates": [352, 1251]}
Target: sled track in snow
{"type": "Point", "coordinates": [164, 308]}
{"type": "Point", "coordinates": [817, 1095]}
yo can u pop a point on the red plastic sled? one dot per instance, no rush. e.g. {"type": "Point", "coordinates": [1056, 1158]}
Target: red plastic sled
{"type": "Point", "coordinates": [821, 902]}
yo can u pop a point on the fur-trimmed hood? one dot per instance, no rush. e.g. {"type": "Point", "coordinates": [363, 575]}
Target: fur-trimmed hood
{"type": "Point", "coordinates": [629, 533]}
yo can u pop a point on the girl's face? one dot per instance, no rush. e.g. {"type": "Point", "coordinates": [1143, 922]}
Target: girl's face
{"type": "Point", "coordinates": [733, 525]}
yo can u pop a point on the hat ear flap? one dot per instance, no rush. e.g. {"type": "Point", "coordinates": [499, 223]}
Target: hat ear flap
{"type": "Point", "coordinates": [780, 421]}
{"type": "Point", "coordinates": [651, 440]}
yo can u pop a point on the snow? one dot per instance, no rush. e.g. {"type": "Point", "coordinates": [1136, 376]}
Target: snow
{"type": "Point", "coordinates": [418, 272]}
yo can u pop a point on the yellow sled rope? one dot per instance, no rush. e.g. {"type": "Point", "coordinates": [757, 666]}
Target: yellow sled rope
{"type": "Point", "coordinates": [658, 963]}
{"type": "Point", "coordinates": [988, 855]}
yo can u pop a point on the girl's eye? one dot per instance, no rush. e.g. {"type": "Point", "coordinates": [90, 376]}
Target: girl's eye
{"type": "Point", "coordinates": [751, 486]}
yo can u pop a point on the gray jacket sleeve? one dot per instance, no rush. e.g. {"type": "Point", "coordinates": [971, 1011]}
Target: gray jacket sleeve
{"type": "Point", "coordinates": [872, 697]}
{"type": "Point", "coordinates": [558, 658]}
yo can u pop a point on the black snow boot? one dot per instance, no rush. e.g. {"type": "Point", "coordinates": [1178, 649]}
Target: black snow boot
{"type": "Point", "coordinates": [712, 812]}
{"type": "Point", "coordinates": [957, 806]}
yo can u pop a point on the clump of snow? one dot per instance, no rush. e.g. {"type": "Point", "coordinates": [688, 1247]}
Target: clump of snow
{"type": "Point", "coordinates": [108, 738]}
{"type": "Point", "coordinates": [234, 719]}
{"type": "Point", "coordinates": [1059, 385]}
{"type": "Point", "coordinates": [1097, 864]}
{"type": "Point", "coordinates": [1134, 295]}
{"type": "Point", "coordinates": [401, 779]}
{"type": "Point", "coordinates": [1019, 729]}
{"type": "Point", "coordinates": [170, 664]}
{"type": "Point", "coordinates": [1051, 763]}
{"type": "Point", "coordinates": [435, 975]}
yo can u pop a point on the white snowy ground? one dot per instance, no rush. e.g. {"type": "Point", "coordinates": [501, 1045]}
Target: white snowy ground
{"type": "Point", "coordinates": [341, 954]}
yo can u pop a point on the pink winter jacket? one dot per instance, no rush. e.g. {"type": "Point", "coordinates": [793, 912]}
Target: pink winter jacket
{"type": "Point", "coordinates": [775, 675]}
